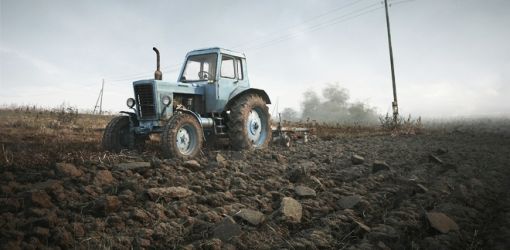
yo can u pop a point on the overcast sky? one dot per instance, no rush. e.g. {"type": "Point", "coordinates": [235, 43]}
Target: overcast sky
{"type": "Point", "coordinates": [452, 57]}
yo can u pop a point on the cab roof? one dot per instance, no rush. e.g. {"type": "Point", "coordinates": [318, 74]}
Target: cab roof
{"type": "Point", "coordinates": [215, 50]}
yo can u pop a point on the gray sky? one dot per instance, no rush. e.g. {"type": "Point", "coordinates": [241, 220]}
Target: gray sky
{"type": "Point", "coordinates": [452, 57]}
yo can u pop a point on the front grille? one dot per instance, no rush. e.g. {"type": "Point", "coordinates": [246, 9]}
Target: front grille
{"type": "Point", "coordinates": [145, 97]}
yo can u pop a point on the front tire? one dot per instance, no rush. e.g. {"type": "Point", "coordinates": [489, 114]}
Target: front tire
{"type": "Point", "coordinates": [182, 137]}
{"type": "Point", "coordinates": [249, 124]}
{"type": "Point", "coordinates": [117, 135]}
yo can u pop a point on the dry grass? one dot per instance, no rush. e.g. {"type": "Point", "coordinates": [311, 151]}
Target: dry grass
{"type": "Point", "coordinates": [402, 125]}
{"type": "Point", "coordinates": [328, 131]}
{"type": "Point", "coordinates": [34, 137]}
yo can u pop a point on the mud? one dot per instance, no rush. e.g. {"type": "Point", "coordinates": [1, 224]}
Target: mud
{"type": "Point", "coordinates": [370, 191]}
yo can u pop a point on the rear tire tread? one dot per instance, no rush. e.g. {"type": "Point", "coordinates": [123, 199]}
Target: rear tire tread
{"type": "Point", "coordinates": [238, 115]}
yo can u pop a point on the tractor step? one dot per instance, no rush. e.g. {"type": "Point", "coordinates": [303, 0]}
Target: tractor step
{"type": "Point", "coordinates": [219, 126]}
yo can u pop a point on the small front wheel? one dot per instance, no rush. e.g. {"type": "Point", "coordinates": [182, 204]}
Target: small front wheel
{"type": "Point", "coordinates": [118, 136]}
{"type": "Point", "coordinates": [182, 137]}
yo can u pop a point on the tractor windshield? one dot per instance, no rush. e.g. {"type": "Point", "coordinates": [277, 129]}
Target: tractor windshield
{"type": "Point", "coordinates": [200, 68]}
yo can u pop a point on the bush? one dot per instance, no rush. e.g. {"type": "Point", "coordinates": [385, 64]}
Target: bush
{"type": "Point", "coordinates": [66, 114]}
{"type": "Point", "coordinates": [401, 125]}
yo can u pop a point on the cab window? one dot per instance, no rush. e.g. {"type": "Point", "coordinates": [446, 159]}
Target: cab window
{"type": "Point", "coordinates": [239, 69]}
{"type": "Point", "coordinates": [200, 68]}
{"type": "Point", "coordinates": [227, 67]}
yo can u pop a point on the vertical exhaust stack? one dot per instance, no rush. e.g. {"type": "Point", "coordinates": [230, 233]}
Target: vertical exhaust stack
{"type": "Point", "coordinates": [157, 74]}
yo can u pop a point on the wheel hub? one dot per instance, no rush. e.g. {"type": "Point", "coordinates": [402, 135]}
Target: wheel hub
{"type": "Point", "coordinates": [184, 141]}
{"type": "Point", "coordinates": [254, 126]}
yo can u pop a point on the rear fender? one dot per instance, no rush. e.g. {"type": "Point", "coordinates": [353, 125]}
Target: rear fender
{"type": "Point", "coordinates": [236, 94]}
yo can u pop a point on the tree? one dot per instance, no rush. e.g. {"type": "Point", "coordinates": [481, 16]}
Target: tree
{"type": "Point", "coordinates": [334, 107]}
{"type": "Point", "coordinates": [334, 94]}
{"type": "Point", "coordinates": [310, 105]}
{"type": "Point", "coordinates": [361, 113]}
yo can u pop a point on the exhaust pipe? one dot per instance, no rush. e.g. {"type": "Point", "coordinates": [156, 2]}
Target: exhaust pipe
{"type": "Point", "coordinates": [157, 75]}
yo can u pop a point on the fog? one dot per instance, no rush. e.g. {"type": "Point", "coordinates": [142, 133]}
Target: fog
{"type": "Point", "coordinates": [333, 105]}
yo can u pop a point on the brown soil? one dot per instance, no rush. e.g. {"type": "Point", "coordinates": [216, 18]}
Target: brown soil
{"type": "Point", "coordinates": [65, 192]}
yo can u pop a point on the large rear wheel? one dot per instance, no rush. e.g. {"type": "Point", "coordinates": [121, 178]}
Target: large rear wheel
{"type": "Point", "coordinates": [249, 123]}
{"type": "Point", "coordinates": [182, 137]}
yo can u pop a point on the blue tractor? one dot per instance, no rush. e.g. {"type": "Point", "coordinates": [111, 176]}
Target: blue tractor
{"type": "Point", "coordinates": [212, 99]}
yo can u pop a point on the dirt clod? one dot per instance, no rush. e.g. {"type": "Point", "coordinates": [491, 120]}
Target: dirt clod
{"type": "Point", "coordinates": [139, 215]}
{"type": "Point", "coordinates": [68, 169]}
{"type": "Point", "coordinates": [227, 229]}
{"type": "Point", "coordinates": [103, 177]}
{"type": "Point", "coordinates": [251, 216]}
{"type": "Point", "coordinates": [168, 192]}
{"type": "Point", "coordinates": [291, 210]}
{"type": "Point", "coordinates": [348, 202]}
{"type": "Point", "coordinates": [220, 159]}
{"type": "Point", "coordinates": [380, 166]}
{"type": "Point", "coordinates": [304, 191]}
{"type": "Point", "coordinates": [39, 198]}
{"type": "Point", "coordinates": [193, 165]}
{"type": "Point", "coordinates": [441, 222]}
{"type": "Point", "coordinates": [133, 166]}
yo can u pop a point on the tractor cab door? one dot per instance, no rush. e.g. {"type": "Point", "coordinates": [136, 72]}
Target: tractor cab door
{"type": "Point", "coordinates": [232, 73]}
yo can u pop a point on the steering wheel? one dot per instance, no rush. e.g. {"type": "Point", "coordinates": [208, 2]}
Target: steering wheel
{"type": "Point", "coordinates": [203, 75]}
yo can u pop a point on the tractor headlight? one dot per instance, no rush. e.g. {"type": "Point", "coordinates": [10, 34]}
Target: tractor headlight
{"type": "Point", "coordinates": [166, 100]}
{"type": "Point", "coordinates": [130, 102]}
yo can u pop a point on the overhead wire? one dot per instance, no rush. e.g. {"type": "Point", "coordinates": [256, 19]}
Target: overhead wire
{"type": "Point", "coordinates": [399, 2]}
{"type": "Point", "coordinates": [343, 18]}
{"type": "Point", "coordinates": [172, 68]}
{"type": "Point", "coordinates": [297, 25]}
{"type": "Point", "coordinates": [340, 19]}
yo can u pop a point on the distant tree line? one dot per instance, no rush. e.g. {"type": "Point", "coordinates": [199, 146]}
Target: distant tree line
{"type": "Point", "coordinates": [332, 106]}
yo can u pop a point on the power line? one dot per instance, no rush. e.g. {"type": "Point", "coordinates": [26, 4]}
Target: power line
{"type": "Point", "coordinates": [172, 68]}
{"type": "Point", "coordinates": [299, 24]}
{"type": "Point", "coordinates": [316, 27]}
{"type": "Point", "coordinates": [331, 22]}
{"type": "Point", "coordinates": [399, 2]}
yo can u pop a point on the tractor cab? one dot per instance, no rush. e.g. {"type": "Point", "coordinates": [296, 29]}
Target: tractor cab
{"type": "Point", "coordinates": [219, 71]}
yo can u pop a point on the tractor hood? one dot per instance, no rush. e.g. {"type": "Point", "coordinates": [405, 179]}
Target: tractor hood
{"type": "Point", "coordinates": [149, 95]}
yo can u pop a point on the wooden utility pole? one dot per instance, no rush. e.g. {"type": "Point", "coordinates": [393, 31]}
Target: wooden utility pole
{"type": "Point", "coordinates": [394, 104]}
{"type": "Point", "coordinates": [99, 101]}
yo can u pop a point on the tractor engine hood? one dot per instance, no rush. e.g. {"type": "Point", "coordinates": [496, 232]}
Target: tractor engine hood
{"type": "Point", "coordinates": [149, 95]}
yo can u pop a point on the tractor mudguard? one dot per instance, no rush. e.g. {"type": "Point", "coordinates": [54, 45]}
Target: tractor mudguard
{"type": "Point", "coordinates": [238, 92]}
{"type": "Point", "coordinates": [132, 118]}
{"type": "Point", "coordinates": [132, 115]}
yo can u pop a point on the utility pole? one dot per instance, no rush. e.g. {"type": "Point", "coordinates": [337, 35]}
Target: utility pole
{"type": "Point", "coordinates": [394, 104]}
{"type": "Point", "coordinates": [99, 101]}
